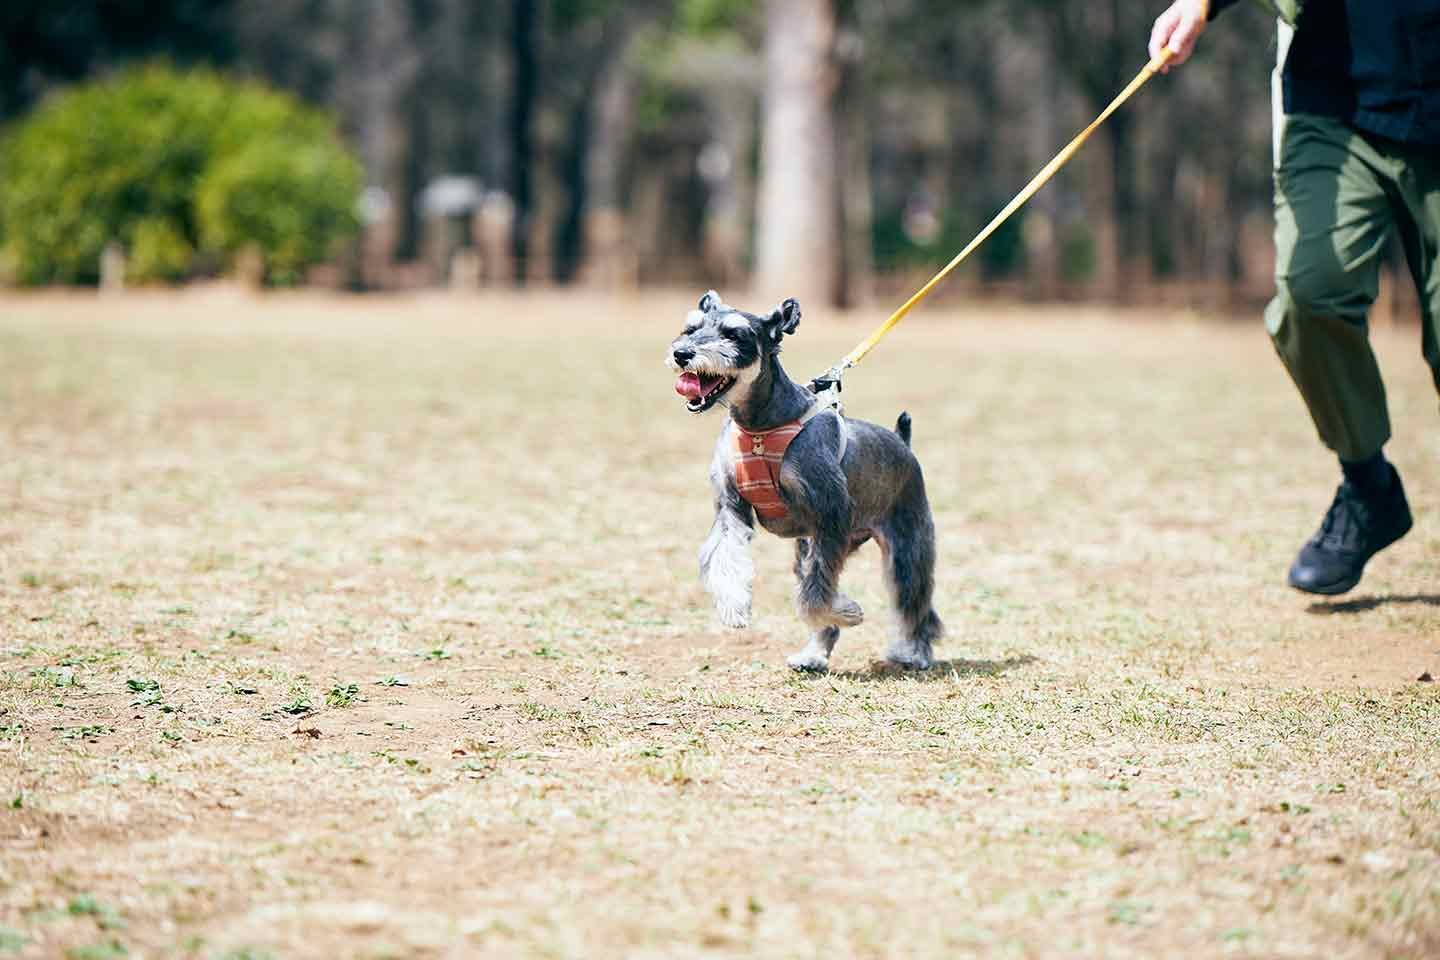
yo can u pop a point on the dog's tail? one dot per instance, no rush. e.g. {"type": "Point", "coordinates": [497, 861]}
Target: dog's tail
{"type": "Point", "coordinates": [902, 427]}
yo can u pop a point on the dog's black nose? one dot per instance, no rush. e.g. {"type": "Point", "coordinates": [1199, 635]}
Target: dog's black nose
{"type": "Point", "coordinates": [684, 355]}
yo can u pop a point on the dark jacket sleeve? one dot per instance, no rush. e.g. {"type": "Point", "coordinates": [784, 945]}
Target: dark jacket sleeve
{"type": "Point", "coordinates": [1217, 6]}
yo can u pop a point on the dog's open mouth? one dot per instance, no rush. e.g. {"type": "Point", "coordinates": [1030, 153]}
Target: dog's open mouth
{"type": "Point", "coordinates": [702, 390]}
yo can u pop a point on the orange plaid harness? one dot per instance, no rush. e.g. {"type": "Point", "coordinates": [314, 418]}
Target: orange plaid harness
{"type": "Point", "coordinates": [757, 457]}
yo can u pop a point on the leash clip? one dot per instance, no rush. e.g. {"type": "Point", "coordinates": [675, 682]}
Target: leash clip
{"type": "Point", "coordinates": [827, 387]}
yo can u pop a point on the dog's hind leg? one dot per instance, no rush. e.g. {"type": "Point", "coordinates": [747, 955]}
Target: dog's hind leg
{"type": "Point", "coordinates": [908, 543]}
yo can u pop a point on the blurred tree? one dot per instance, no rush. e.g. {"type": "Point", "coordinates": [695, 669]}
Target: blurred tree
{"type": "Point", "coordinates": [798, 243]}
{"type": "Point", "coordinates": [598, 90]}
{"type": "Point", "coordinates": [525, 84]}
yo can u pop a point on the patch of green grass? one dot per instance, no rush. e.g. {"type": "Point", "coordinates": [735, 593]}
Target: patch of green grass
{"type": "Point", "coordinates": [408, 763]}
{"type": "Point", "coordinates": [55, 677]}
{"type": "Point", "coordinates": [1127, 912]}
{"type": "Point", "coordinates": [342, 695]}
{"type": "Point", "coordinates": [298, 706]}
{"type": "Point", "coordinates": [92, 656]}
{"type": "Point", "coordinates": [89, 732]}
{"type": "Point", "coordinates": [109, 950]}
{"type": "Point", "coordinates": [149, 695]}
{"type": "Point", "coordinates": [106, 916]}
{"type": "Point", "coordinates": [83, 906]}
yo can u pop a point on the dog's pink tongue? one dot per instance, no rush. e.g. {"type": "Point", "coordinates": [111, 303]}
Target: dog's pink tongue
{"type": "Point", "coordinates": [688, 386]}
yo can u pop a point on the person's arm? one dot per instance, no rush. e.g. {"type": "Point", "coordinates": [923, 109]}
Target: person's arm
{"type": "Point", "coordinates": [1179, 28]}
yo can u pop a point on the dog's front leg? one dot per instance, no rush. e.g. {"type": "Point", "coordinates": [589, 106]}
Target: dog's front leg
{"type": "Point", "coordinates": [726, 568]}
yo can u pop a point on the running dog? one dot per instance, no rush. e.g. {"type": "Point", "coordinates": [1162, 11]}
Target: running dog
{"type": "Point", "coordinates": [809, 474]}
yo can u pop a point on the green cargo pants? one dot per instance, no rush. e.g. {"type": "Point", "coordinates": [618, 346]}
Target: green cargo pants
{"type": "Point", "coordinates": [1339, 194]}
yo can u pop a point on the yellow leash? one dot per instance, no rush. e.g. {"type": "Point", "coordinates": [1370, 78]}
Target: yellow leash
{"type": "Point", "coordinates": [1032, 188]}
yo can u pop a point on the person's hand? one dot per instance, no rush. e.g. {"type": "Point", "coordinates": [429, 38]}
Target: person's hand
{"type": "Point", "coordinates": [1178, 28]}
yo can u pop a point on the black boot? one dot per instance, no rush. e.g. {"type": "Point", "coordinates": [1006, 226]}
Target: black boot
{"type": "Point", "coordinates": [1360, 524]}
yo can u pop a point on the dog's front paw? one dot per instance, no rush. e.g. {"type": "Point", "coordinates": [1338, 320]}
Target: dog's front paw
{"type": "Point", "coordinates": [808, 661]}
{"type": "Point", "coordinates": [734, 616]}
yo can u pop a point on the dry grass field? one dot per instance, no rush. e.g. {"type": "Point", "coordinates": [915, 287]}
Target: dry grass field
{"type": "Point", "coordinates": [371, 628]}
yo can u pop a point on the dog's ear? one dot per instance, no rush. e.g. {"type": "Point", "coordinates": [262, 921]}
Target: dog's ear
{"type": "Point", "coordinates": [784, 321]}
{"type": "Point", "coordinates": [790, 316]}
{"type": "Point", "coordinates": [709, 302]}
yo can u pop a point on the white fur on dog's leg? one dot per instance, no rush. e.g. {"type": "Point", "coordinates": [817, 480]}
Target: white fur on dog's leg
{"type": "Point", "coordinates": [728, 571]}
{"type": "Point", "coordinates": [734, 615]}
{"type": "Point", "coordinates": [808, 661]}
{"type": "Point", "coordinates": [815, 658]}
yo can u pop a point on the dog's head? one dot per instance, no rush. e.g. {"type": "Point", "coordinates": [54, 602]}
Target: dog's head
{"type": "Point", "coordinates": [722, 350]}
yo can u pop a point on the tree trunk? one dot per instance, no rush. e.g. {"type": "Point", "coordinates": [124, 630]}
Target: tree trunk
{"type": "Point", "coordinates": [852, 151]}
{"type": "Point", "coordinates": [1130, 227]}
{"type": "Point", "coordinates": [799, 241]}
{"type": "Point", "coordinates": [1042, 226]}
{"type": "Point", "coordinates": [415, 169]}
{"type": "Point", "coordinates": [608, 257]}
{"type": "Point", "coordinates": [1100, 209]}
{"type": "Point", "coordinates": [524, 37]}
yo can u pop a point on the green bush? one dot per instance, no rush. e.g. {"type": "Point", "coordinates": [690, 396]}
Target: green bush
{"type": "Point", "coordinates": [288, 199]}
{"type": "Point", "coordinates": [158, 252]}
{"type": "Point", "coordinates": [126, 159]}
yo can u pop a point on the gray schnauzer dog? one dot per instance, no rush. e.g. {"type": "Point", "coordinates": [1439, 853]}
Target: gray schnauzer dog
{"type": "Point", "coordinates": [808, 474]}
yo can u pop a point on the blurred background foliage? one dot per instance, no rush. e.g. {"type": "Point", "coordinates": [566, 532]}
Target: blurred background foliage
{"type": "Point", "coordinates": [170, 164]}
{"type": "Point", "coordinates": [624, 141]}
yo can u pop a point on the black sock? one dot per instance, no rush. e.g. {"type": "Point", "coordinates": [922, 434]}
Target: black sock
{"type": "Point", "coordinates": [1368, 476]}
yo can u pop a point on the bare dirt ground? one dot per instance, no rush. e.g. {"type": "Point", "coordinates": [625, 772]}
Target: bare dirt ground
{"type": "Point", "coordinates": [370, 628]}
